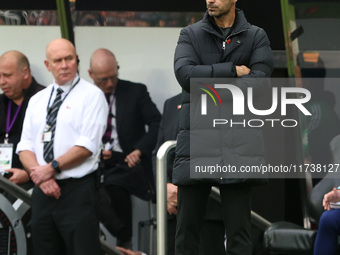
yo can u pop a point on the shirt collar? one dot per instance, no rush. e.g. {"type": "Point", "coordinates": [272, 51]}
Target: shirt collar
{"type": "Point", "coordinates": [66, 87]}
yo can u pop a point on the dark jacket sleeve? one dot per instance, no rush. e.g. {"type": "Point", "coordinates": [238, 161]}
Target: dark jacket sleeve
{"type": "Point", "coordinates": [260, 64]}
{"type": "Point", "coordinates": [161, 132]}
{"type": "Point", "coordinates": [261, 61]}
{"type": "Point", "coordinates": [188, 64]}
{"type": "Point", "coordinates": [151, 117]}
{"type": "Point", "coordinates": [161, 139]}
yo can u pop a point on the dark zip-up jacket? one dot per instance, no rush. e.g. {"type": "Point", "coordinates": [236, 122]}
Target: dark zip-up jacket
{"type": "Point", "coordinates": [203, 52]}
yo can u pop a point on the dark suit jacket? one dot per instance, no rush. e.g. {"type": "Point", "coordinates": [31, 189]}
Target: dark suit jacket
{"type": "Point", "coordinates": [168, 128]}
{"type": "Point", "coordinates": [134, 111]}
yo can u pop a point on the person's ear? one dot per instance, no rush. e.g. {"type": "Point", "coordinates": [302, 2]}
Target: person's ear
{"type": "Point", "coordinates": [90, 73]}
{"type": "Point", "coordinates": [47, 64]}
{"type": "Point", "coordinates": [26, 72]}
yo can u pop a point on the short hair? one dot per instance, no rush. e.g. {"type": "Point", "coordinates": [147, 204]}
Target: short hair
{"type": "Point", "coordinates": [23, 62]}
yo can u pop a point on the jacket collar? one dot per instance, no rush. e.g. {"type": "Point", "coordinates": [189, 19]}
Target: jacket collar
{"type": "Point", "coordinates": [118, 88]}
{"type": "Point", "coordinates": [31, 89]}
{"type": "Point", "coordinates": [240, 24]}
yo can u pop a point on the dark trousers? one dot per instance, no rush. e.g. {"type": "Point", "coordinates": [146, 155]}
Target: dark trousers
{"type": "Point", "coordinates": [118, 218]}
{"type": "Point", "coordinates": [122, 212]}
{"type": "Point", "coordinates": [211, 236]}
{"type": "Point", "coordinates": [120, 182]}
{"type": "Point", "coordinates": [109, 218]}
{"type": "Point", "coordinates": [171, 232]}
{"type": "Point", "coordinates": [236, 211]}
{"type": "Point", "coordinates": [68, 225]}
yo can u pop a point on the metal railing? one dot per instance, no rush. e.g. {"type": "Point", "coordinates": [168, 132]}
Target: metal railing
{"type": "Point", "coordinates": [161, 178]}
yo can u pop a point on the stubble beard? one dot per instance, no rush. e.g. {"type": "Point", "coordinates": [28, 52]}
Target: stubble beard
{"type": "Point", "coordinates": [218, 15]}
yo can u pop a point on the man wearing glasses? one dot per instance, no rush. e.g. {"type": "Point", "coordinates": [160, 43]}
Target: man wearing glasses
{"type": "Point", "coordinates": [127, 145]}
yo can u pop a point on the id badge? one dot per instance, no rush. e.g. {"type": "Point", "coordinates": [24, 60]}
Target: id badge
{"type": "Point", "coordinates": [6, 153]}
{"type": "Point", "coordinates": [46, 136]}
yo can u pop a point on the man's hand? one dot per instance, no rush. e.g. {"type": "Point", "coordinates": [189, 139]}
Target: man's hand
{"type": "Point", "coordinates": [128, 252]}
{"type": "Point", "coordinates": [50, 188]}
{"type": "Point", "coordinates": [19, 176]}
{"type": "Point", "coordinates": [242, 70]}
{"type": "Point", "coordinates": [107, 154]}
{"type": "Point", "coordinates": [133, 158]}
{"type": "Point", "coordinates": [332, 196]}
{"type": "Point", "coordinates": [39, 174]}
{"type": "Point", "coordinates": [171, 200]}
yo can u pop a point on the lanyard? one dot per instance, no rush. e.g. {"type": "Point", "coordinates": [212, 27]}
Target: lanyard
{"type": "Point", "coordinates": [49, 100]}
{"type": "Point", "coordinates": [9, 123]}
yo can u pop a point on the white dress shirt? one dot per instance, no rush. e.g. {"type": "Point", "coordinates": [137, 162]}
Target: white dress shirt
{"type": "Point", "coordinates": [115, 146]}
{"type": "Point", "coordinates": [81, 121]}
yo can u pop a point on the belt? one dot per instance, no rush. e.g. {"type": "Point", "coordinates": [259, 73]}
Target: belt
{"type": "Point", "coordinates": [76, 180]}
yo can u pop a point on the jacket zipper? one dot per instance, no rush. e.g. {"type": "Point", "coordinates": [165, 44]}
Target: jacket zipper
{"type": "Point", "coordinates": [223, 44]}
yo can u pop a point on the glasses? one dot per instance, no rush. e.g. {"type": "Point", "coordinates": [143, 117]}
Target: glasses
{"type": "Point", "coordinates": [106, 79]}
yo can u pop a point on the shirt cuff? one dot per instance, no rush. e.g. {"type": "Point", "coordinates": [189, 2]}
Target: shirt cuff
{"type": "Point", "coordinates": [22, 146]}
{"type": "Point", "coordinates": [88, 144]}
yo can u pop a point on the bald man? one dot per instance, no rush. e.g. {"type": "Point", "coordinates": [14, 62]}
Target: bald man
{"type": "Point", "coordinates": [128, 145]}
{"type": "Point", "coordinates": [59, 147]}
{"type": "Point", "coordinates": [18, 87]}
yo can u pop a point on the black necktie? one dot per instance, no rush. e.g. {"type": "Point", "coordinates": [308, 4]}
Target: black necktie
{"type": "Point", "coordinates": [51, 124]}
